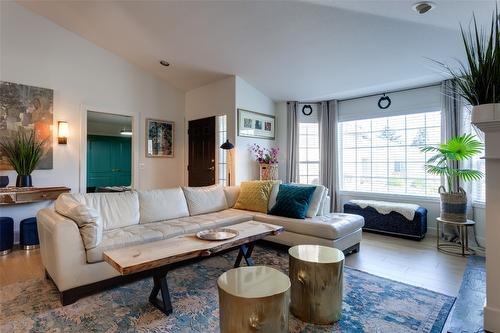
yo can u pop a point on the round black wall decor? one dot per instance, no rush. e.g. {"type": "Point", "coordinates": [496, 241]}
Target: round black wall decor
{"type": "Point", "coordinates": [307, 107]}
{"type": "Point", "coordinates": [384, 102]}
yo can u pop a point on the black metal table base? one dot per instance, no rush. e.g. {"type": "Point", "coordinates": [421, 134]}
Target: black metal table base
{"type": "Point", "coordinates": [160, 286]}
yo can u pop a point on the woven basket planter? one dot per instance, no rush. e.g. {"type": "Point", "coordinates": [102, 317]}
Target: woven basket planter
{"type": "Point", "coordinates": [268, 171]}
{"type": "Point", "coordinates": [453, 205]}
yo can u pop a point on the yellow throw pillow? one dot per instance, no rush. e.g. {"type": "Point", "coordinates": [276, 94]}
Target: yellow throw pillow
{"type": "Point", "coordinates": [254, 195]}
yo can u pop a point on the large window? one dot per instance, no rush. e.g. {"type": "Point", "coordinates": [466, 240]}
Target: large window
{"type": "Point", "coordinates": [308, 153]}
{"type": "Point", "coordinates": [382, 155]}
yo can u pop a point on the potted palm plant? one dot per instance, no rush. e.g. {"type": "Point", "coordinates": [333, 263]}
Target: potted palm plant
{"type": "Point", "coordinates": [478, 79]}
{"type": "Point", "coordinates": [446, 163]}
{"type": "Point", "coordinates": [24, 152]}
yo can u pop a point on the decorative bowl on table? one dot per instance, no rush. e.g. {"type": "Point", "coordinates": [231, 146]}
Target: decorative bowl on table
{"type": "Point", "coordinates": [217, 234]}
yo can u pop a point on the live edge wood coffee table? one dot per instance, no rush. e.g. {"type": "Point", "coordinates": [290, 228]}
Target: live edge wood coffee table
{"type": "Point", "coordinates": [162, 256]}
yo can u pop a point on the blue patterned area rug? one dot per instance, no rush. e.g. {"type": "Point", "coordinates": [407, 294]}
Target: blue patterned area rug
{"type": "Point", "coordinates": [468, 314]}
{"type": "Point", "coordinates": [371, 304]}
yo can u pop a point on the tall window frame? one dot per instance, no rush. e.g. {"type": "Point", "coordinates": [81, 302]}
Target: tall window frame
{"type": "Point", "coordinates": [308, 161]}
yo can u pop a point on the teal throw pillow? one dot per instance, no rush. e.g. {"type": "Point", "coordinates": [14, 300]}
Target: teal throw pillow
{"type": "Point", "coordinates": [293, 201]}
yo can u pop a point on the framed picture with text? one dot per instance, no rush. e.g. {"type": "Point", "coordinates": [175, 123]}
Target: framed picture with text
{"type": "Point", "coordinates": [256, 125]}
{"type": "Point", "coordinates": [159, 138]}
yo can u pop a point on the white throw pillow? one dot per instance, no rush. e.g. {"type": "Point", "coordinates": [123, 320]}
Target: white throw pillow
{"type": "Point", "coordinates": [273, 195]}
{"type": "Point", "coordinates": [117, 210]}
{"type": "Point", "coordinates": [207, 199]}
{"type": "Point", "coordinates": [88, 219]}
{"type": "Point", "coordinates": [162, 204]}
{"type": "Point", "coordinates": [313, 209]}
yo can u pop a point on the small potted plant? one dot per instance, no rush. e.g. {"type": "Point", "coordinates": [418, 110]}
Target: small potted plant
{"type": "Point", "coordinates": [24, 152]}
{"type": "Point", "coordinates": [478, 79]}
{"type": "Point", "coordinates": [445, 163]}
{"type": "Point", "coordinates": [268, 161]}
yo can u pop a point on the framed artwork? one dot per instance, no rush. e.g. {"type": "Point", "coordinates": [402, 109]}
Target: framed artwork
{"type": "Point", "coordinates": [26, 108]}
{"type": "Point", "coordinates": [256, 125]}
{"type": "Point", "coordinates": [159, 138]}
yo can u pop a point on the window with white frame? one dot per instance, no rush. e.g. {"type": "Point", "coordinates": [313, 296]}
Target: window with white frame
{"type": "Point", "coordinates": [308, 161]}
{"type": "Point", "coordinates": [221, 129]}
{"type": "Point", "coordinates": [382, 155]}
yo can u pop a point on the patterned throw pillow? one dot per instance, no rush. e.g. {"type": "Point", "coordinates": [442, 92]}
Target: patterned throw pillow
{"type": "Point", "coordinates": [254, 195]}
{"type": "Point", "coordinates": [293, 201]}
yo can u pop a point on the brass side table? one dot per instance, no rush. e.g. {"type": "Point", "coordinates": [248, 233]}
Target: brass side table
{"type": "Point", "coordinates": [317, 275]}
{"type": "Point", "coordinates": [454, 248]}
{"type": "Point", "coordinates": [253, 299]}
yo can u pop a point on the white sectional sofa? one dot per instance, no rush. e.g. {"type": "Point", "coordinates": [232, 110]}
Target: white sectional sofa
{"type": "Point", "coordinates": [72, 248]}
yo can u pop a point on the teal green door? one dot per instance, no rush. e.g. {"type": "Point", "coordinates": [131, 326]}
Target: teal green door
{"type": "Point", "coordinates": [109, 161]}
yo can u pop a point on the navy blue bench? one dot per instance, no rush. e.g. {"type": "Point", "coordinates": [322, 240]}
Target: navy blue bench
{"type": "Point", "coordinates": [392, 223]}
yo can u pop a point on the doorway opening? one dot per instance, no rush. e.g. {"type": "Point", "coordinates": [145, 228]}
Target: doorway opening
{"type": "Point", "coordinates": [109, 152]}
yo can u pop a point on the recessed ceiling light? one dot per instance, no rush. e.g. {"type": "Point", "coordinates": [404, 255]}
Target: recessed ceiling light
{"type": "Point", "coordinates": [423, 7]}
{"type": "Point", "coordinates": [164, 63]}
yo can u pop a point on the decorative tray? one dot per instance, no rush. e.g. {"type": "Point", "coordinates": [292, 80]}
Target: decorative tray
{"type": "Point", "coordinates": [217, 234]}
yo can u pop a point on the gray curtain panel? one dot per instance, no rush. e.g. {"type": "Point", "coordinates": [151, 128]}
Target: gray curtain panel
{"type": "Point", "coordinates": [454, 122]}
{"type": "Point", "coordinates": [328, 149]}
{"type": "Point", "coordinates": [292, 142]}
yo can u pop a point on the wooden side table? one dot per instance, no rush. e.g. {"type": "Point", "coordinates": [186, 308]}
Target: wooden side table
{"type": "Point", "coordinates": [454, 248]}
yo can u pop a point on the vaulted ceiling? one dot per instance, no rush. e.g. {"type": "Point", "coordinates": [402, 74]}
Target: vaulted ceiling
{"type": "Point", "coordinates": [290, 50]}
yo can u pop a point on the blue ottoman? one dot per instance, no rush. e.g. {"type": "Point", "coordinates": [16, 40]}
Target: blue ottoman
{"type": "Point", "coordinates": [6, 235]}
{"type": "Point", "coordinates": [28, 234]}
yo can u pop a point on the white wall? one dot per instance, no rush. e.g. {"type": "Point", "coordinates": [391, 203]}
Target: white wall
{"type": "Point", "coordinates": [249, 98]}
{"type": "Point", "coordinates": [35, 51]}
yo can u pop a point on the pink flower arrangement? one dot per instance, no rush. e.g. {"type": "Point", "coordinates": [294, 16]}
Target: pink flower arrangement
{"type": "Point", "coordinates": [265, 155]}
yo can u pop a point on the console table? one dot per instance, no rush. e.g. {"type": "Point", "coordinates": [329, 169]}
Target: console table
{"type": "Point", "coordinates": [23, 195]}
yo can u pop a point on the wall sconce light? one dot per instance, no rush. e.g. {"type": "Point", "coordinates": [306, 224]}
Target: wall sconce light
{"type": "Point", "coordinates": [62, 132]}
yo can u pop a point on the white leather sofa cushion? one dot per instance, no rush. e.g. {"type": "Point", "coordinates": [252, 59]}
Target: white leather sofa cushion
{"type": "Point", "coordinates": [316, 199]}
{"type": "Point", "coordinates": [162, 204]}
{"type": "Point", "coordinates": [330, 226]}
{"type": "Point", "coordinates": [88, 219]}
{"type": "Point", "coordinates": [206, 199]}
{"type": "Point", "coordinates": [273, 195]}
{"type": "Point", "coordinates": [155, 231]}
{"type": "Point", "coordinates": [117, 210]}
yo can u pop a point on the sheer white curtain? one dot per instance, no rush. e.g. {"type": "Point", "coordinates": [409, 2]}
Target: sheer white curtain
{"type": "Point", "coordinates": [328, 172]}
{"type": "Point", "coordinates": [292, 142]}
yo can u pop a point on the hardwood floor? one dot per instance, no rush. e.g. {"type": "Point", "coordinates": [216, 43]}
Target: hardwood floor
{"type": "Point", "coordinates": [414, 262]}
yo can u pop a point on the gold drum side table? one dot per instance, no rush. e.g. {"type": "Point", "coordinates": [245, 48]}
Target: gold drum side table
{"type": "Point", "coordinates": [316, 274]}
{"type": "Point", "coordinates": [253, 299]}
{"type": "Point", "coordinates": [454, 248]}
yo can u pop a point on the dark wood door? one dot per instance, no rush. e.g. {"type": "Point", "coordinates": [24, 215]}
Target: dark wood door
{"type": "Point", "coordinates": [201, 167]}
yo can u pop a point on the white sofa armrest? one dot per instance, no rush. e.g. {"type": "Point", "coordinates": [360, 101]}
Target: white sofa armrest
{"type": "Point", "coordinates": [63, 253]}
{"type": "Point", "coordinates": [325, 206]}
{"type": "Point", "coordinates": [61, 246]}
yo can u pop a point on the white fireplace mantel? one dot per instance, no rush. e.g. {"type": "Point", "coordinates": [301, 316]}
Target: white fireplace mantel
{"type": "Point", "coordinates": [487, 118]}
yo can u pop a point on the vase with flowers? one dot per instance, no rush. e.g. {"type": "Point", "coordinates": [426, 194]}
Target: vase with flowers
{"type": "Point", "coordinates": [268, 161]}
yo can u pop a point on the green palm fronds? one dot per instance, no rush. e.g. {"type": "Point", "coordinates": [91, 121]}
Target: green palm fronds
{"type": "Point", "coordinates": [23, 151]}
{"type": "Point", "coordinates": [459, 148]}
{"type": "Point", "coordinates": [478, 79]}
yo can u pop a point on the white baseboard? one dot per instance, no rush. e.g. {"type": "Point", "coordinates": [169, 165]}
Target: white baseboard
{"type": "Point", "coordinates": [491, 319]}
